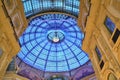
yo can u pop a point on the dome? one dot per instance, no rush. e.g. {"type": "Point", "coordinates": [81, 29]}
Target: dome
{"type": "Point", "coordinates": [52, 43]}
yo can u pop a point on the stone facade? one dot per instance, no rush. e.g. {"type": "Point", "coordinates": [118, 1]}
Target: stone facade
{"type": "Point", "coordinates": [97, 34]}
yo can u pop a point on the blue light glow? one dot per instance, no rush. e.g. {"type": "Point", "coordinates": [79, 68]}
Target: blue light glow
{"type": "Point", "coordinates": [52, 42]}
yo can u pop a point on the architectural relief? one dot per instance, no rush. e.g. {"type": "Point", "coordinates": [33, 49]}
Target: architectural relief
{"type": "Point", "coordinates": [10, 6]}
{"type": "Point", "coordinates": [84, 71]}
{"type": "Point", "coordinates": [15, 13]}
{"type": "Point", "coordinates": [84, 12]}
{"type": "Point", "coordinates": [101, 31]}
{"type": "Point", "coordinates": [17, 22]}
{"type": "Point", "coordinates": [98, 19]}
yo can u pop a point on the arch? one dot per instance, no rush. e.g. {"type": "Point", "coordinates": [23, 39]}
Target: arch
{"type": "Point", "coordinates": [111, 76]}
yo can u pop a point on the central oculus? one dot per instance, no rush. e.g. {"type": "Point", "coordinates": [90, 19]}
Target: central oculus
{"type": "Point", "coordinates": [56, 36]}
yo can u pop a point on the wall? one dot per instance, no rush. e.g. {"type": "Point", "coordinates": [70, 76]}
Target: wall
{"type": "Point", "coordinates": [98, 35]}
{"type": "Point", "coordinates": [84, 13]}
{"type": "Point", "coordinates": [35, 74]}
{"type": "Point", "coordinates": [15, 12]}
{"type": "Point", "coordinates": [10, 29]}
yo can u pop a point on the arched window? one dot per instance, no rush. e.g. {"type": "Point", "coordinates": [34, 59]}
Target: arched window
{"type": "Point", "coordinates": [112, 77]}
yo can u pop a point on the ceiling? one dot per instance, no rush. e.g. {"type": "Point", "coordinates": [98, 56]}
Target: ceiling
{"type": "Point", "coordinates": [32, 7]}
{"type": "Point", "coordinates": [52, 42]}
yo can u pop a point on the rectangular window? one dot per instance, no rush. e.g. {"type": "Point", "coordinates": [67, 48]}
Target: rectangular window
{"type": "Point", "coordinates": [1, 51]}
{"type": "Point", "coordinates": [109, 24]}
{"type": "Point", "coordinates": [98, 53]}
{"type": "Point", "coordinates": [28, 7]}
{"type": "Point", "coordinates": [116, 35]}
{"type": "Point", "coordinates": [101, 64]}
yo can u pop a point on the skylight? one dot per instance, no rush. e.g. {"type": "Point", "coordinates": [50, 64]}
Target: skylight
{"type": "Point", "coordinates": [32, 7]}
{"type": "Point", "coordinates": [52, 42]}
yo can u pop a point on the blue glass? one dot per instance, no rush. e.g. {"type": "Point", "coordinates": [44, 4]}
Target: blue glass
{"type": "Point", "coordinates": [98, 53]}
{"type": "Point", "coordinates": [109, 24]}
{"type": "Point", "coordinates": [32, 7]}
{"type": "Point", "coordinates": [54, 44]}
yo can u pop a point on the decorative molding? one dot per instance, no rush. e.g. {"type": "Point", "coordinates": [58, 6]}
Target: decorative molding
{"type": "Point", "coordinates": [17, 22]}
{"type": "Point", "coordinates": [114, 8]}
{"type": "Point", "coordinates": [10, 5]}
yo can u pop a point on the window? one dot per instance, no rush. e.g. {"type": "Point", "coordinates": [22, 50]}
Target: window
{"type": "Point", "coordinates": [98, 53]}
{"type": "Point", "coordinates": [116, 35]}
{"type": "Point", "coordinates": [109, 24]}
{"type": "Point", "coordinates": [1, 51]}
{"type": "Point", "coordinates": [101, 64]}
{"type": "Point", "coordinates": [32, 7]}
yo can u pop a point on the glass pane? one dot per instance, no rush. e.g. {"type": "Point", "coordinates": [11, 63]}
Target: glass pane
{"type": "Point", "coordinates": [98, 53]}
{"type": "Point", "coordinates": [51, 47]}
{"type": "Point", "coordinates": [32, 7]}
{"type": "Point", "coordinates": [109, 24]}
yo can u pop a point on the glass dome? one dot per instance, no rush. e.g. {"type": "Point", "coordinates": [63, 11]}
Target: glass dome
{"type": "Point", "coordinates": [52, 42]}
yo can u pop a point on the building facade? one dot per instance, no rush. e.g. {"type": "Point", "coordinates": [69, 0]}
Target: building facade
{"type": "Point", "coordinates": [99, 21]}
{"type": "Point", "coordinates": [102, 34]}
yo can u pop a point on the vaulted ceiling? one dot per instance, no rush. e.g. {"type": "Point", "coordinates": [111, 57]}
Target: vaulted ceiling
{"type": "Point", "coordinates": [32, 7]}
